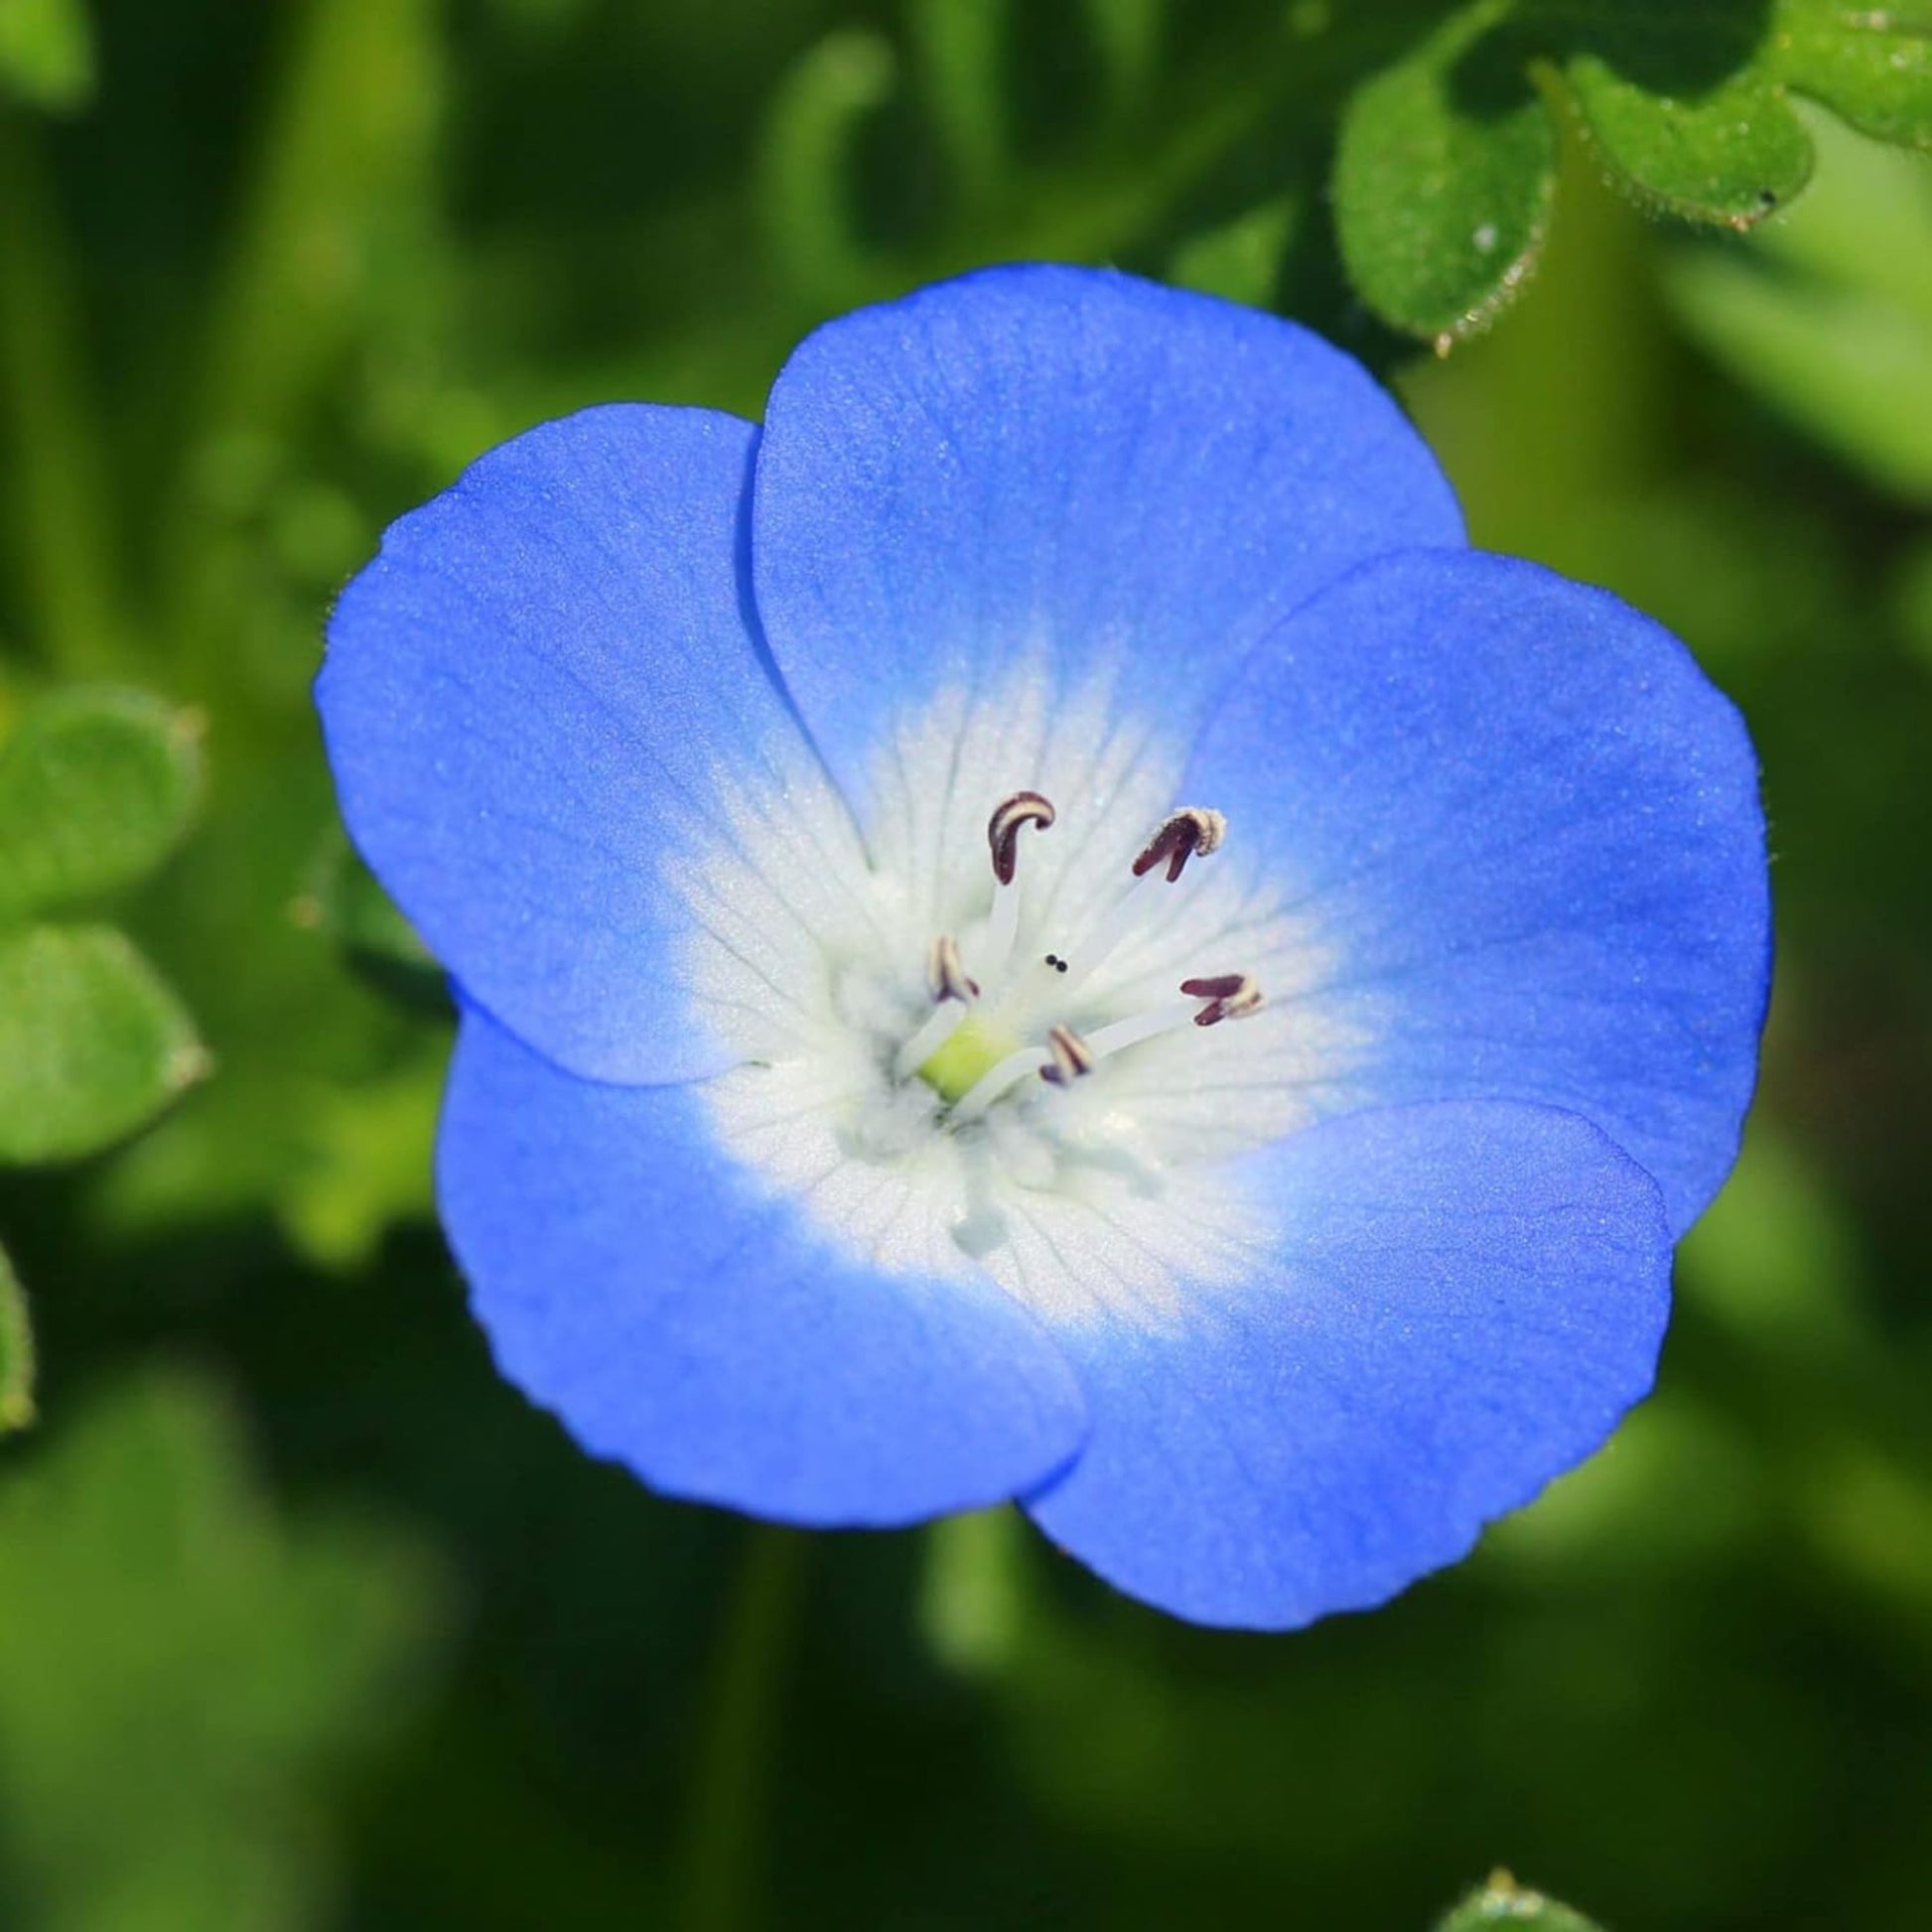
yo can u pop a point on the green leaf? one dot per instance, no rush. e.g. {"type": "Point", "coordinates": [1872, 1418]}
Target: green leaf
{"type": "Point", "coordinates": [344, 903]}
{"type": "Point", "coordinates": [92, 1042]}
{"type": "Point", "coordinates": [1241, 259]}
{"type": "Point", "coordinates": [96, 787]}
{"type": "Point", "coordinates": [1829, 314]}
{"type": "Point", "coordinates": [46, 52]}
{"type": "Point", "coordinates": [1445, 172]}
{"type": "Point", "coordinates": [1730, 155]}
{"type": "Point", "coordinates": [368, 1165]}
{"type": "Point", "coordinates": [184, 1669]}
{"type": "Point", "coordinates": [16, 1353]}
{"type": "Point", "coordinates": [1502, 1901]}
{"type": "Point", "coordinates": [1443, 181]}
{"type": "Point", "coordinates": [1871, 65]}
{"type": "Point", "coordinates": [1682, 101]}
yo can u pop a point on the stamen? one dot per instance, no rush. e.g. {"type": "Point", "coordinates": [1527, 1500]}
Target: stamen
{"type": "Point", "coordinates": [945, 975]}
{"type": "Point", "coordinates": [1002, 840]}
{"type": "Point", "coordinates": [1191, 829]}
{"type": "Point", "coordinates": [953, 992]}
{"type": "Point", "coordinates": [1181, 834]}
{"type": "Point", "coordinates": [1002, 829]}
{"type": "Point", "coordinates": [1071, 1058]}
{"type": "Point", "coordinates": [1229, 996]}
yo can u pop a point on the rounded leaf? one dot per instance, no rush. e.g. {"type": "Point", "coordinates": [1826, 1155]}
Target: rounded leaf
{"type": "Point", "coordinates": [1732, 154]}
{"type": "Point", "coordinates": [1870, 66]}
{"type": "Point", "coordinates": [92, 1042]}
{"type": "Point", "coordinates": [96, 787]}
{"type": "Point", "coordinates": [1443, 183]}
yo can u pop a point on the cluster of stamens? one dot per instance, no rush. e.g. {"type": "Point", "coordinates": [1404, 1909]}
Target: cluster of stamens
{"type": "Point", "coordinates": [963, 1050]}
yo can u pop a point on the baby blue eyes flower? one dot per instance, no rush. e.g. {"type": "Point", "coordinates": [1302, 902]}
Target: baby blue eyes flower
{"type": "Point", "coordinates": [1041, 926]}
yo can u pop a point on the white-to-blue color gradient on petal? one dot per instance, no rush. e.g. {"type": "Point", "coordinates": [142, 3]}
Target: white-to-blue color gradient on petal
{"type": "Point", "coordinates": [527, 699]}
{"type": "Point", "coordinates": [689, 1324]}
{"type": "Point", "coordinates": [1462, 1300]}
{"type": "Point", "coordinates": [1064, 467]}
{"type": "Point", "coordinates": [801, 1167]}
{"type": "Point", "coordinates": [1526, 827]}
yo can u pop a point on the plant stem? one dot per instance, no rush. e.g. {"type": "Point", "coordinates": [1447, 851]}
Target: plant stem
{"type": "Point", "coordinates": [59, 471]}
{"type": "Point", "coordinates": [741, 1717]}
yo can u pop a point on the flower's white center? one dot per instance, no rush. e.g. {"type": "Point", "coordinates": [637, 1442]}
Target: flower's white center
{"type": "Point", "coordinates": [996, 1028]}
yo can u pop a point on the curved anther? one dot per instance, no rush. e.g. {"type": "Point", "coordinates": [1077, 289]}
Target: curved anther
{"type": "Point", "coordinates": [945, 976]}
{"type": "Point", "coordinates": [1002, 829]}
{"type": "Point", "coordinates": [1229, 996]}
{"type": "Point", "coordinates": [1193, 829]}
{"type": "Point", "coordinates": [1072, 1056]}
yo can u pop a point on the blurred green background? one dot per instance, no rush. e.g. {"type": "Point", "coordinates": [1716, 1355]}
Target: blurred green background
{"type": "Point", "coordinates": [306, 1620]}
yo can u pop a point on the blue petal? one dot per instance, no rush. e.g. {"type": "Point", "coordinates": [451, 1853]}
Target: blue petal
{"type": "Point", "coordinates": [680, 1320]}
{"type": "Point", "coordinates": [525, 696]}
{"type": "Point", "coordinates": [1526, 830]}
{"type": "Point", "coordinates": [1066, 466]}
{"type": "Point", "coordinates": [1464, 1300]}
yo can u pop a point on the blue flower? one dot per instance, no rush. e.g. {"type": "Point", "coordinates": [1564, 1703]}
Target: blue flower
{"type": "Point", "coordinates": [1041, 926]}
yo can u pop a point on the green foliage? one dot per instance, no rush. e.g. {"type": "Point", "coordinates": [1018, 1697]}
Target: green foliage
{"type": "Point", "coordinates": [182, 1670]}
{"type": "Point", "coordinates": [298, 266]}
{"type": "Point", "coordinates": [1502, 1901]}
{"type": "Point", "coordinates": [1870, 66]}
{"type": "Point", "coordinates": [1829, 312]}
{"type": "Point", "coordinates": [1446, 165]}
{"type": "Point", "coordinates": [97, 789]}
{"type": "Point", "coordinates": [1445, 180]}
{"type": "Point", "coordinates": [16, 1353]}
{"type": "Point", "coordinates": [98, 786]}
{"type": "Point", "coordinates": [343, 906]}
{"type": "Point", "coordinates": [92, 1042]}
{"type": "Point", "coordinates": [46, 52]}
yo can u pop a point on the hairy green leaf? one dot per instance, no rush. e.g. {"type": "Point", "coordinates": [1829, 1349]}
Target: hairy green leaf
{"type": "Point", "coordinates": [16, 1353]}
{"type": "Point", "coordinates": [1443, 181]}
{"type": "Point", "coordinates": [1503, 1902]}
{"type": "Point", "coordinates": [1871, 65]}
{"type": "Point", "coordinates": [92, 1042]}
{"type": "Point", "coordinates": [1682, 101]}
{"type": "Point", "coordinates": [1445, 172]}
{"type": "Point", "coordinates": [96, 787]}
{"type": "Point", "coordinates": [46, 52]}
{"type": "Point", "coordinates": [1732, 154]}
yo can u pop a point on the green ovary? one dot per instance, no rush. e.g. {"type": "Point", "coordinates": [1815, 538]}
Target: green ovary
{"type": "Point", "coordinates": [970, 1051]}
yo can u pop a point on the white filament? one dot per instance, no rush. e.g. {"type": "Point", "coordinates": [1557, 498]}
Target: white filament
{"type": "Point", "coordinates": [805, 959]}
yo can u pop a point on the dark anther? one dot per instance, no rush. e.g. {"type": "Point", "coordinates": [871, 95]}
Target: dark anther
{"type": "Point", "coordinates": [1229, 996]}
{"type": "Point", "coordinates": [1002, 829]}
{"type": "Point", "coordinates": [1190, 830]}
{"type": "Point", "coordinates": [1072, 1056]}
{"type": "Point", "coordinates": [945, 975]}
